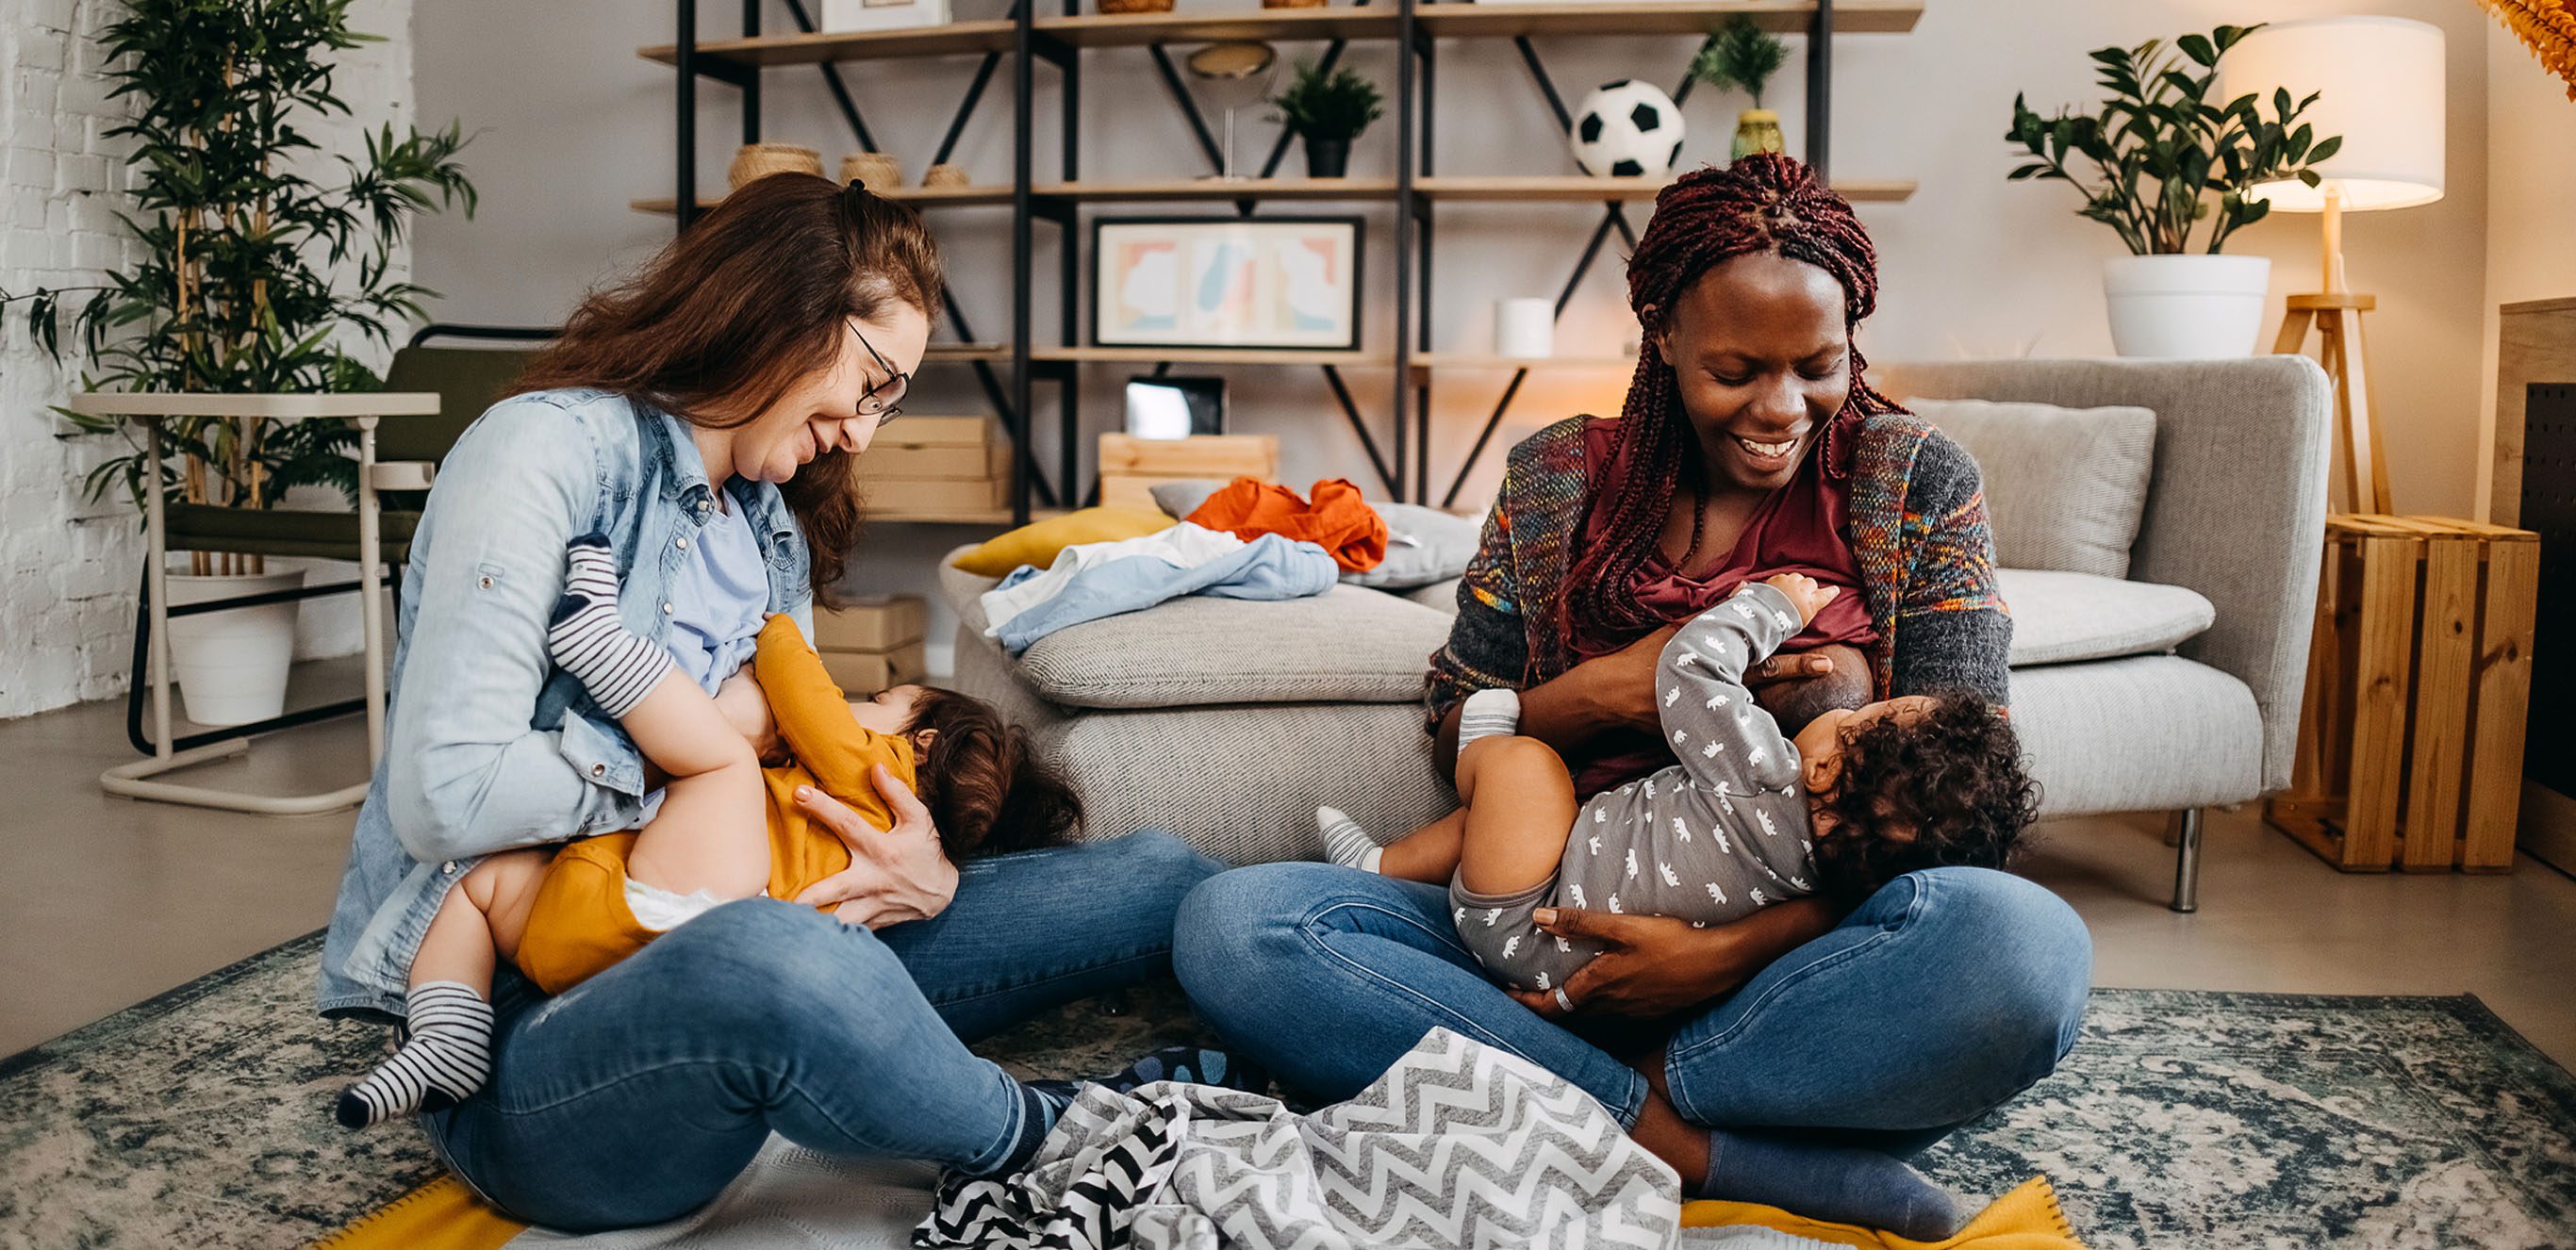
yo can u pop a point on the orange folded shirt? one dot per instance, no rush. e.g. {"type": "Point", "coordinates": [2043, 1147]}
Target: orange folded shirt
{"type": "Point", "coordinates": [1338, 520]}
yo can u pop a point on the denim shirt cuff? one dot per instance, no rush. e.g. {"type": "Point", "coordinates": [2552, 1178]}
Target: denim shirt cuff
{"type": "Point", "coordinates": [602, 758]}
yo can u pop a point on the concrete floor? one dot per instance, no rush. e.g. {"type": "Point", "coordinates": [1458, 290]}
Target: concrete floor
{"type": "Point", "coordinates": [105, 901]}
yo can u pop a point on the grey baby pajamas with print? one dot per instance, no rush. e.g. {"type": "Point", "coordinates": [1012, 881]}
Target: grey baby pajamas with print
{"type": "Point", "coordinates": [1713, 838]}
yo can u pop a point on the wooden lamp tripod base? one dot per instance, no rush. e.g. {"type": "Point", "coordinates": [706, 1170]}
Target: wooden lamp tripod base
{"type": "Point", "coordinates": [2336, 314]}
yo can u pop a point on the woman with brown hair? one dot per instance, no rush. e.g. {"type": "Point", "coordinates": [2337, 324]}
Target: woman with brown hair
{"type": "Point", "coordinates": [703, 417]}
{"type": "Point", "coordinates": [1797, 1056]}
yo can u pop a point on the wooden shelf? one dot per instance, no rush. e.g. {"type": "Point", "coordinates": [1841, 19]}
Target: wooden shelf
{"type": "Point", "coordinates": [1109, 30]}
{"type": "Point", "coordinates": [990, 516]}
{"type": "Point", "coordinates": [1208, 356]}
{"type": "Point", "coordinates": [918, 197]}
{"type": "Point", "coordinates": [1474, 360]}
{"type": "Point", "coordinates": [1221, 189]}
{"type": "Point", "coordinates": [1573, 188]}
{"type": "Point", "coordinates": [950, 39]}
{"type": "Point", "coordinates": [1454, 20]}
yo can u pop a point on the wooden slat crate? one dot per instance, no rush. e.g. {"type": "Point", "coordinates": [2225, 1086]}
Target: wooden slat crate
{"type": "Point", "coordinates": [1130, 467]}
{"type": "Point", "coordinates": [2419, 682]}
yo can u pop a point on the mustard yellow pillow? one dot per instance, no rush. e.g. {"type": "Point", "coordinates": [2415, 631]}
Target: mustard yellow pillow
{"type": "Point", "coordinates": [1038, 542]}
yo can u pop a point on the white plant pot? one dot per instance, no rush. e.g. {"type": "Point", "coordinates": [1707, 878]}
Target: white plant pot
{"type": "Point", "coordinates": [2200, 307]}
{"type": "Point", "coordinates": [231, 665]}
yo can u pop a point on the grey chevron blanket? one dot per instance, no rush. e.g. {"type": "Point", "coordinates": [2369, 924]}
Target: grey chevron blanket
{"type": "Point", "coordinates": [1457, 1145]}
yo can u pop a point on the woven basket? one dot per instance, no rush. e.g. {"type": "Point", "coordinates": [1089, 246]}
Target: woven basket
{"type": "Point", "coordinates": [1135, 6]}
{"type": "Point", "coordinates": [876, 169]}
{"type": "Point", "coordinates": [945, 176]}
{"type": "Point", "coordinates": [753, 161]}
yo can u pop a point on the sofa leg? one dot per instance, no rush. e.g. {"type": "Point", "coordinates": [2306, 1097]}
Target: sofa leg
{"type": "Point", "coordinates": [2184, 836]}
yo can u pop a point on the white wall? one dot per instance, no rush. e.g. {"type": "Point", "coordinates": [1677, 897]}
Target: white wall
{"type": "Point", "coordinates": [573, 125]}
{"type": "Point", "coordinates": [2531, 199]}
{"type": "Point", "coordinates": [67, 617]}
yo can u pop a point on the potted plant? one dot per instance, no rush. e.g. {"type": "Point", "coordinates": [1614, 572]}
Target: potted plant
{"type": "Point", "coordinates": [252, 279]}
{"type": "Point", "coordinates": [2167, 157]}
{"type": "Point", "coordinates": [1328, 110]}
{"type": "Point", "coordinates": [1741, 56]}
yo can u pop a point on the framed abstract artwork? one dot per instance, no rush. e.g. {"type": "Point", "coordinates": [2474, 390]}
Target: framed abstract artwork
{"type": "Point", "coordinates": [1209, 282]}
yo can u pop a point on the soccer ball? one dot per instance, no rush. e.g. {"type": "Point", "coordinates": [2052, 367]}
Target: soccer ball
{"type": "Point", "coordinates": [1627, 129]}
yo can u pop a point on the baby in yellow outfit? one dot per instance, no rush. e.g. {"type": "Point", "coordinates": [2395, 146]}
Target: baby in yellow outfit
{"type": "Point", "coordinates": [728, 826]}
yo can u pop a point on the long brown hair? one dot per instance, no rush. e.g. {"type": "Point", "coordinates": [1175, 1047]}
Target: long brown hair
{"type": "Point", "coordinates": [988, 789]}
{"type": "Point", "coordinates": [751, 299]}
{"type": "Point", "coordinates": [1763, 203]}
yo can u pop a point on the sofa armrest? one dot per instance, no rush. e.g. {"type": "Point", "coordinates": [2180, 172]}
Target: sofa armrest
{"type": "Point", "coordinates": [2235, 507]}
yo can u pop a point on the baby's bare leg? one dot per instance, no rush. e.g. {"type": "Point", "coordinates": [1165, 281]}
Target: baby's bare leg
{"type": "Point", "coordinates": [1429, 853]}
{"type": "Point", "coordinates": [712, 830]}
{"type": "Point", "coordinates": [1519, 805]}
{"type": "Point", "coordinates": [447, 1052]}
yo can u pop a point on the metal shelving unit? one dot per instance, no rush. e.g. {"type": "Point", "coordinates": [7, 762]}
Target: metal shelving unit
{"type": "Point", "coordinates": [1009, 371]}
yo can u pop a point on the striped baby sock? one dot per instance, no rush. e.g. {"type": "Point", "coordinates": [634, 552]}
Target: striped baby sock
{"type": "Point", "coordinates": [446, 1058]}
{"type": "Point", "coordinates": [1345, 843]}
{"type": "Point", "coordinates": [1489, 712]}
{"type": "Point", "coordinates": [617, 666]}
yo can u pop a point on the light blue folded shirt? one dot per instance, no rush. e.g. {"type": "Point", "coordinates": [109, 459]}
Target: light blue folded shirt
{"type": "Point", "coordinates": [1268, 567]}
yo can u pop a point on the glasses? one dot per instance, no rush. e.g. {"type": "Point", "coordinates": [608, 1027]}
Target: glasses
{"type": "Point", "coordinates": [884, 401]}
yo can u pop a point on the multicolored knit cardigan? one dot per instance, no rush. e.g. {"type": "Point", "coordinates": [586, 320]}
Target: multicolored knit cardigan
{"type": "Point", "coordinates": [1917, 529]}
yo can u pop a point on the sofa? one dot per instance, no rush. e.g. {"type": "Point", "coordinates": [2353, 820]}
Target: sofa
{"type": "Point", "coordinates": [2172, 686]}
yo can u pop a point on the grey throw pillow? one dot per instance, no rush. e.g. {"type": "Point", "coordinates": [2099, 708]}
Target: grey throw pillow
{"type": "Point", "coordinates": [2065, 487]}
{"type": "Point", "coordinates": [1423, 545]}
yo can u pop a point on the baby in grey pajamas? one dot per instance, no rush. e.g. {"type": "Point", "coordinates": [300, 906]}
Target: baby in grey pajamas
{"type": "Point", "coordinates": [1719, 835]}
{"type": "Point", "coordinates": [1729, 829]}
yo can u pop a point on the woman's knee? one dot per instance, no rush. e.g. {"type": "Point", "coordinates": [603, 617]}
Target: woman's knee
{"type": "Point", "coordinates": [1153, 856]}
{"type": "Point", "coordinates": [2031, 956]}
{"type": "Point", "coordinates": [1240, 923]}
{"type": "Point", "coordinates": [776, 973]}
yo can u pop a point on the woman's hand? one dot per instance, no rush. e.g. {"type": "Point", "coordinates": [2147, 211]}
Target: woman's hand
{"type": "Point", "coordinates": [898, 875]}
{"type": "Point", "coordinates": [1658, 966]}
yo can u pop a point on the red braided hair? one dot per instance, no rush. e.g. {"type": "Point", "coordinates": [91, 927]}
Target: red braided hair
{"type": "Point", "coordinates": [1763, 203]}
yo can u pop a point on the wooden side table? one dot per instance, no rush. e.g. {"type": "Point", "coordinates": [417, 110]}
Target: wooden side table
{"type": "Point", "coordinates": [2419, 683]}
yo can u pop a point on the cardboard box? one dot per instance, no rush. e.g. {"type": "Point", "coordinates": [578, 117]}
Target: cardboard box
{"type": "Point", "coordinates": [1131, 467]}
{"type": "Point", "coordinates": [937, 447]}
{"type": "Point", "coordinates": [878, 623]}
{"type": "Point", "coordinates": [863, 673]}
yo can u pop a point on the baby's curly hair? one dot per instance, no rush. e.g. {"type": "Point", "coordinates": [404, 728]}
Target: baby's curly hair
{"type": "Point", "coordinates": [1946, 789]}
{"type": "Point", "coordinates": [988, 789]}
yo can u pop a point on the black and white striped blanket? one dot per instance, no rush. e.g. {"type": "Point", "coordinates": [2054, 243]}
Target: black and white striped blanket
{"type": "Point", "coordinates": [1457, 1145]}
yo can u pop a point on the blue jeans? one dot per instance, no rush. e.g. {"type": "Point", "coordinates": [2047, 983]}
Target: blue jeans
{"type": "Point", "coordinates": [636, 1096]}
{"type": "Point", "coordinates": [1946, 993]}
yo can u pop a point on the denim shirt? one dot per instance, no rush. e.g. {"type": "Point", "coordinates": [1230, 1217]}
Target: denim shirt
{"type": "Point", "coordinates": [489, 746]}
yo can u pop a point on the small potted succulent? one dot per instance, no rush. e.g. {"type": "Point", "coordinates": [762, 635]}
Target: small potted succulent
{"type": "Point", "coordinates": [1741, 56]}
{"type": "Point", "coordinates": [2168, 152]}
{"type": "Point", "coordinates": [1328, 110]}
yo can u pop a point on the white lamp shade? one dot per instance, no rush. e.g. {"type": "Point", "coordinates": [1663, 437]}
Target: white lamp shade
{"type": "Point", "coordinates": [2379, 85]}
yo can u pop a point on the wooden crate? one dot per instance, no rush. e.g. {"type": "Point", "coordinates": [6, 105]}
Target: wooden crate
{"type": "Point", "coordinates": [935, 467]}
{"type": "Point", "coordinates": [876, 623]}
{"type": "Point", "coordinates": [863, 673]}
{"type": "Point", "coordinates": [2419, 681]}
{"type": "Point", "coordinates": [1130, 468]}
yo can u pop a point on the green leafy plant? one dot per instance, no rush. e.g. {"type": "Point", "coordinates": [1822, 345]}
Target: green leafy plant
{"type": "Point", "coordinates": [1740, 55]}
{"type": "Point", "coordinates": [2162, 150]}
{"type": "Point", "coordinates": [253, 274]}
{"type": "Point", "coordinates": [1329, 106]}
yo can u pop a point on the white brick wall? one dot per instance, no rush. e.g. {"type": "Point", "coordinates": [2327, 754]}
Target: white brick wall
{"type": "Point", "coordinates": [68, 567]}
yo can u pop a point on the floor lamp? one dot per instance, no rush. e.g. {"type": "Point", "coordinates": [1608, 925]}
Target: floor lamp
{"type": "Point", "coordinates": [2379, 85]}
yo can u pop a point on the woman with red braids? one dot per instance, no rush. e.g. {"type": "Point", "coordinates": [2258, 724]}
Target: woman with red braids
{"type": "Point", "coordinates": [1799, 1056]}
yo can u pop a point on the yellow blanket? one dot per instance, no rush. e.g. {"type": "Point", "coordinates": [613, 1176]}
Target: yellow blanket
{"type": "Point", "coordinates": [443, 1215]}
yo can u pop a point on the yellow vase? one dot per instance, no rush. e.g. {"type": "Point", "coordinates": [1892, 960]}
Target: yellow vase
{"type": "Point", "coordinates": [1757, 130]}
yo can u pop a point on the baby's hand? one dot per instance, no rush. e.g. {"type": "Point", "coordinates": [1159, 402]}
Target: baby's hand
{"type": "Point", "coordinates": [1803, 593]}
{"type": "Point", "coordinates": [747, 710]}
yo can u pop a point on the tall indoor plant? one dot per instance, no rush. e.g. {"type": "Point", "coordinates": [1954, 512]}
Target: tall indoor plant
{"type": "Point", "coordinates": [1740, 55]}
{"type": "Point", "coordinates": [261, 262]}
{"type": "Point", "coordinates": [2166, 158]}
{"type": "Point", "coordinates": [1328, 109]}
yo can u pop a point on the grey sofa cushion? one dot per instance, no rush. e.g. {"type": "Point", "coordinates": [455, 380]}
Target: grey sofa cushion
{"type": "Point", "coordinates": [1347, 645]}
{"type": "Point", "coordinates": [2059, 618]}
{"type": "Point", "coordinates": [2146, 733]}
{"type": "Point", "coordinates": [2064, 486]}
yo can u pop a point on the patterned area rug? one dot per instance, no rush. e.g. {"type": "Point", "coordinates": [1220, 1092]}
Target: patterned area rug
{"type": "Point", "coordinates": [2182, 1119]}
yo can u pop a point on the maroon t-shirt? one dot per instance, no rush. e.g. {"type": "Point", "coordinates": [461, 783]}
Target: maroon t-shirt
{"type": "Point", "coordinates": [1798, 528]}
